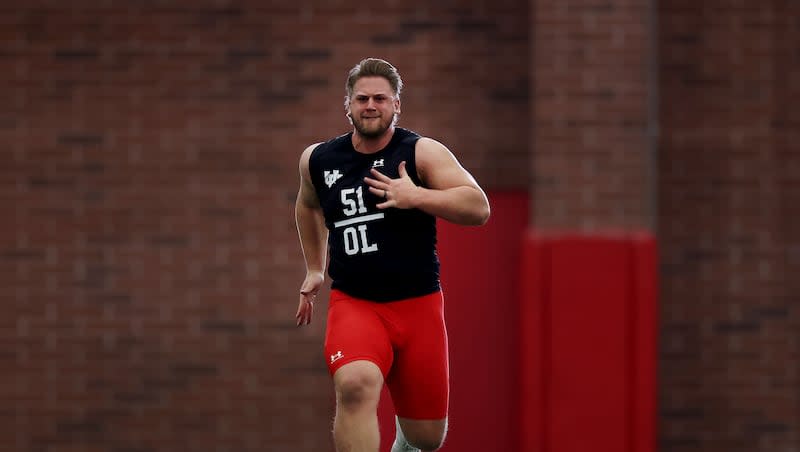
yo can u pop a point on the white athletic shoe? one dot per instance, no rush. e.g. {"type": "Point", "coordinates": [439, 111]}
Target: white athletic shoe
{"type": "Point", "coordinates": [400, 443]}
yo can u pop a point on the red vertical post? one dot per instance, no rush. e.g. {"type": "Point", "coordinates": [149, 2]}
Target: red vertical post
{"type": "Point", "coordinates": [588, 354]}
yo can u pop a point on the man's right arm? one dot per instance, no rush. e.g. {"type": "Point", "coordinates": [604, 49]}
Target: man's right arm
{"type": "Point", "coordinates": [309, 218]}
{"type": "Point", "coordinates": [313, 239]}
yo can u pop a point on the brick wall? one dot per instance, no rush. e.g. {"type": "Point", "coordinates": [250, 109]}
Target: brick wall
{"type": "Point", "coordinates": [148, 256]}
{"type": "Point", "coordinates": [729, 204]}
{"type": "Point", "coordinates": [726, 192]}
{"type": "Point", "coordinates": [148, 260]}
{"type": "Point", "coordinates": [592, 155]}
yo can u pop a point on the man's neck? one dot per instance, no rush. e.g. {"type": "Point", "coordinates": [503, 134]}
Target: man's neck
{"type": "Point", "coordinates": [367, 145]}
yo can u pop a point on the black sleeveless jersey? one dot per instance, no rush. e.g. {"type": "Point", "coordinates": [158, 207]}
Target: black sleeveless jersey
{"type": "Point", "coordinates": [375, 254]}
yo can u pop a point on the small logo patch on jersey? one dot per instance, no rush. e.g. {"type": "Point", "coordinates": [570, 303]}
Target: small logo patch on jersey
{"type": "Point", "coordinates": [377, 163]}
{"type": "Point", "coordinates": [331, 177]}
{"type": "Point", "coordinates": [336, 357]}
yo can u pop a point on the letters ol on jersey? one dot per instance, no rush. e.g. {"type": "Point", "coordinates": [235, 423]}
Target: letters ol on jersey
{"type": "Point", "coordinates": [355, 227]}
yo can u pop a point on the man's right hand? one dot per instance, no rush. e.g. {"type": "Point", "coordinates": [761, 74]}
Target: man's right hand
{"type": "Point", "coordinates": [308, 294]}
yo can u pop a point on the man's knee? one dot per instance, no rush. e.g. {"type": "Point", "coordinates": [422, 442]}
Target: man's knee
{"type": "Point", "coordinates": [426, 440]}
{"type": "Point", "coordinates": [425, 435]}
{"type": "Point", "coordinates": [428, 443]}
{"type": "Point", "coordinates": [358, 385]}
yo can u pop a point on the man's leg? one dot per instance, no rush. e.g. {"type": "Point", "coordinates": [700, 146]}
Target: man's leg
{"type": "Point", "coordinates": [360, 354]}
{"type": "Point", "coordinates": [419, 379]}
{"type": "Point", "coordinates": [358, 389]}
{"type": "Point", "coordinates": [419, 435]}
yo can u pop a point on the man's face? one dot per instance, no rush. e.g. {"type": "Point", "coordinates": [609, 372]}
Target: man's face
{"type": "Point", "coordinates": [373, 106]}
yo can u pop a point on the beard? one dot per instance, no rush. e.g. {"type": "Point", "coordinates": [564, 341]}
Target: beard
{"type": "Point", "coordinates": [373, 127]}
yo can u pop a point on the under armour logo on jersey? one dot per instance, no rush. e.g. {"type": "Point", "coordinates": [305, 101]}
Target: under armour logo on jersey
{"type": "Point", "coordinates": [331, 177]}
{"type": "Point", "coordinates": [377, 163]}
{"type": "Point", "coordinates": [336, 357]}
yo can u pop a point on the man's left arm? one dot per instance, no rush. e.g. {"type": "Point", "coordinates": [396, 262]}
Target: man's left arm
{"type": "Point", "coordinates": [450, 191]}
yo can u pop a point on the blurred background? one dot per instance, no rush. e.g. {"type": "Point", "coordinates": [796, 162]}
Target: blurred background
{"type": "Point", "coordinates": [633, 291]}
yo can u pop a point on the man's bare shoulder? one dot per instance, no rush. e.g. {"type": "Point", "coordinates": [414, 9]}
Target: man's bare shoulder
{"type": "Point", "coordinates": [431, 149]}
{"type": "Point", "coordinates": [309, 149]}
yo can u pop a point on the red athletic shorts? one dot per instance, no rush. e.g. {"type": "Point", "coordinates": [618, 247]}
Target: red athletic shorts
{"type": "Point", "coordinates": [406, 339]}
